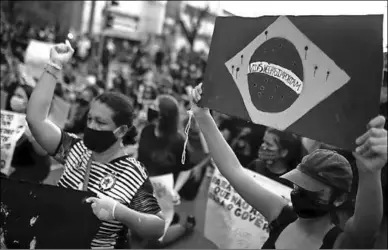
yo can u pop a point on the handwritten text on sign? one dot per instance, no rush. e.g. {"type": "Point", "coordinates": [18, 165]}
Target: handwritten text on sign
{"type": "Point", "coordinates": [230, 221]}
{"type": "Point", "coordinates": [11, 129]}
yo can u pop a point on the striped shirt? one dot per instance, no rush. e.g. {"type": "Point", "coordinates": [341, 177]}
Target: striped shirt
{"type": "Point", "coordinates": [132, 186]}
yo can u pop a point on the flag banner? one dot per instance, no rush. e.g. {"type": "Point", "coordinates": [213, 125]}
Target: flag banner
{"type": "Point", "coordinates": [36, 216]}
{"type": "Point", "coordinates": [316, 76]}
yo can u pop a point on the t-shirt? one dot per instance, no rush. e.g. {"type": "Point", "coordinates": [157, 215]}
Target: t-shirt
{"type": "Point", "coordinates": [162, 155]}
{"type": "Point", "coordinates": [288, 216]}
{"type": "Point", "coordinates": [259, 167]}
{"type": "Point", "coordinates": [131, 188]}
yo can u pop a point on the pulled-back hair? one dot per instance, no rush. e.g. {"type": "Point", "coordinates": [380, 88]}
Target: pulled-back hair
{"type": "Point", "coordinates": [123, 113]}
{"type": "Point", "coordinates": [168, 123]}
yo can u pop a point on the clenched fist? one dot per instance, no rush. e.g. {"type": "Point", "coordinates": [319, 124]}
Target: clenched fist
{"type": "Point", "coordinates": [61, 53]}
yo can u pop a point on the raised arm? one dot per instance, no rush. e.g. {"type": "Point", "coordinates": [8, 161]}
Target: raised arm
{"type": "Point", "coordinates": [46, 133]}
{"type": "Point", "coordinates": [371, 155]}
{"type": "Point", "coordinates": [267, 203]}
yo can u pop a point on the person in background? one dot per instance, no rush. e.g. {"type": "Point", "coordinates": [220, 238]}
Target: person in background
{"type": "Point", "coordinates": [78, 119]}
{"type": "Point", "coordinates": [321, 183]}
{"type": "Point", "coordinates": [30, 161]}
{"type": "Point", "coordinates": [160, 150]}
{"type": "Point", "coordinates": [98, 162]}
{"type": "Point", "coordinates": [279, 153]}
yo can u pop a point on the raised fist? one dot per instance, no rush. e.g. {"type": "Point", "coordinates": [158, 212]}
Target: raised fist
{"type": "Point", "coordinates": [61, 53]}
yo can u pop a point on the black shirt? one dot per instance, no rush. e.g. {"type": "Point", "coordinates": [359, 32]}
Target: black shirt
{"type": "Point", "coordinates": [259, 167]}
{"type": "Point", "coordinates": [162, 155]}
{"type": "Point", "coordinates": [288, 216]}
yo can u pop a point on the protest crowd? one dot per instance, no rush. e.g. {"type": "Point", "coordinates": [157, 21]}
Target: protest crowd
{"type": "Point", "coordinates": [118, 139]}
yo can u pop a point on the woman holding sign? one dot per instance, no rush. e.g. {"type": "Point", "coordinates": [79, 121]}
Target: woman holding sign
{"type": "Point", "coordinates": [29, 160]}
{"type": "Point", "coordinates": [321, 183]}
{"type": "Point", "coordinates": [98, 162]}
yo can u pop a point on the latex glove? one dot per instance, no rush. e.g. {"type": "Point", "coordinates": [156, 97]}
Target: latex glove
{"type": "Point", "coordinates": [371, 151]}
{"type": "Point", "coordinates": [176, 198]}
{"type": "Point", "coordinates": [103, 207]}
{"type": "Point", "coordinates": [61, 53]}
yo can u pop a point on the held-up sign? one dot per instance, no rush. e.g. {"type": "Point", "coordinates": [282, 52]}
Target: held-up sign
{"type": "Point", "coordinates": [12, 128]}
{"type": "Point", "coordinates": [316, 76]}
{"type": "Point", "coordinates": [231, 222]}
{"type": "Point", "coordinates": [163, 186]}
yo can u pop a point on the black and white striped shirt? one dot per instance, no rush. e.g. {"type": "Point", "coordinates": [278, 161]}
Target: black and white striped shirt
{"type": "Point", "coordinates": [132, 186]}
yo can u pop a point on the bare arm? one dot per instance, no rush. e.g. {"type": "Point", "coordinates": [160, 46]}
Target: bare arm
{"type": "Point", "coordinates": [148, 226]}
{"type": "Point", "coordinates": [258, 197]}
{"type": "Point", "coordinates": [46, 133]}
{"type": "Point", "coordinates": [361, 229]}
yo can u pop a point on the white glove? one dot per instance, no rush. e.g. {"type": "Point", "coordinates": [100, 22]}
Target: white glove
{"type": "Point", "coordinates": [103, 207]}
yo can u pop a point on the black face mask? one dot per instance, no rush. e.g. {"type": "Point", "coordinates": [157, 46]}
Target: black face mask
{"type": "Point", "coordinates": [152, 115]}
{"type": "Point", "coordinates": [82, 102]}
{"type": "Point", "coordinates": [99, 140]}
{"type": "Point", "coordinates": [307, 207]}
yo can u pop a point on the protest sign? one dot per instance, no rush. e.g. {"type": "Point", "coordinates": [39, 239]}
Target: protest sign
{"type": "Point", "coordinates": [59, 111]}
{"type": "Point", "coordinates": [163, 188]}
{"type": "Point", "coordinates": [231, 222]}
{"type": "Point", "coordinates": [36, 216]}
{"type": "Point", "coordinates": [298, 73]}
{"type": "Point", "coordinates": [12, 128]}
{"type": "Point", "coordinates": [38, 52]}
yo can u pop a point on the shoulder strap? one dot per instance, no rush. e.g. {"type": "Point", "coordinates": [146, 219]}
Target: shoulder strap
{"type": "Point", "coordinates": [330, 238]}
{"type": "Point", "coordinates": [87, 174]}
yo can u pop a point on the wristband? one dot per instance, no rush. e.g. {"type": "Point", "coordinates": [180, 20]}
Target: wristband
{"type": "Point", "coordinates": [57, 66]}
{"type": "Point", "coordinates": [113, 210]}
{"type": "Point", "coordinates": [51, 71]}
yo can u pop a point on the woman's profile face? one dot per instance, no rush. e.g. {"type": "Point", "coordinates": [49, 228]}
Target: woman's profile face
{"type": "Point", "coordinates": [270, 141]}
{"type": "Point", "coordinates": [100, 117]}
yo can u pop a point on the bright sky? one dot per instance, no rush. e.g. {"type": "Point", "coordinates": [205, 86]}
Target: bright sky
{"type": "Point", "coordinates": [260, 8]}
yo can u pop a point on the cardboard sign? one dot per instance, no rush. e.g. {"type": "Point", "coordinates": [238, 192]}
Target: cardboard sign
{"type": "Point", "coordinates": [12, 128]}
{"type": "Point", "coordinates": [231, 223]}
{"type": "Point", "coordinates": [163, 188]}
{"type": "Point", "coordinates": [59, 111]}
{"type": "Point", "coordinates": [44, 216]}
{"type": "Point", "coordinates": [298, 73]}
{"type": "Point", "coordinates": [38, 52]}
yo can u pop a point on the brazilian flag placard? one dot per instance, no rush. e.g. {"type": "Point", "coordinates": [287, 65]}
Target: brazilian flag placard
{"type": "Point", "coordinates": [316, 76]}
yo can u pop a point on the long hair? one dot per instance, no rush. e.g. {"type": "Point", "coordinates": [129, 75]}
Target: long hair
{"type": "Point", "coordinates": [27, 89]}
{"type": "Point", "coordinates": [168, 122]}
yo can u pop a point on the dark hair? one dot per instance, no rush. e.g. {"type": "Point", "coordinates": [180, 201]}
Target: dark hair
{"type": "Point", "coordinates": [27, 89]}
{"type": "Point", "coordinates": [291, 143]}
{"type": "Point", "coordinates": [168, 123]}
{"type": "Point", "coordinates": [123, 113]}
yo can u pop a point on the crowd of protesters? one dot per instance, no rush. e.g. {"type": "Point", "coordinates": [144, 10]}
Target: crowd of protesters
{"type": "Point", "coordinates": [158, 87]}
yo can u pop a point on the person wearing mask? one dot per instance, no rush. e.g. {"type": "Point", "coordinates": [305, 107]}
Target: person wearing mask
{"type": "Point", "coordinates": [98, 162]}
{"type": "Point", "coordinates": [30, 161]}
{"type": "Point", "coordinates": [77, 122]}
{"type": "Point", "coordinates": [279, 153]}
{"type": "Point", "coordinates": [321, 183]}
{"type": "Point", "coordinates": [160, 150]}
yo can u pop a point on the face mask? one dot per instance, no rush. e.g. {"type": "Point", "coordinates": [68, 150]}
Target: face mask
{"type": "Point", "coordinates": [268, 156]}
{"type": "Point", "coordinates": [83, 102]}
{"type": "Point", "coordinates": [152, 115]}
{"type": "Point", "coordinates": [305, 206]}
{"type": "Point", "coordinates": [17, 104]}
{"type": "Point", "coordinates": [99, 140]}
